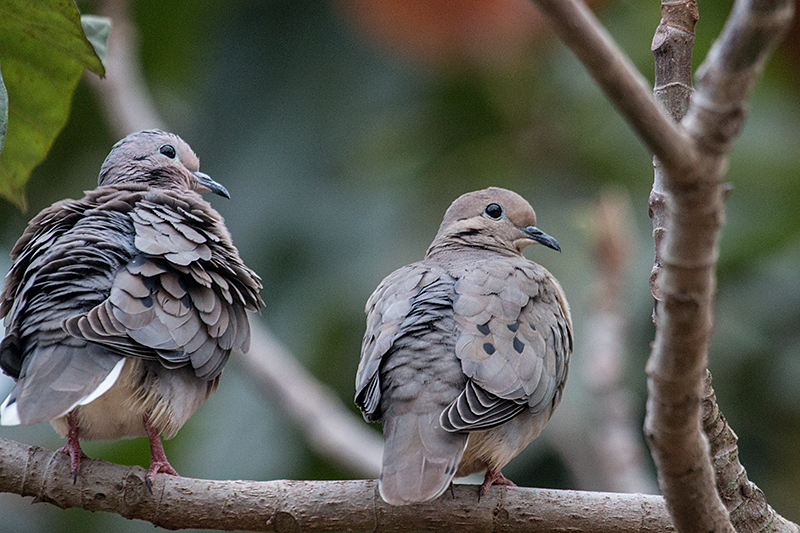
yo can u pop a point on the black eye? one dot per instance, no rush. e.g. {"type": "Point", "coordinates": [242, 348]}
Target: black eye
{"type": "Point", "coordinates": [168, 150]}
{"type": "Point", "coordinates": [494, 211]}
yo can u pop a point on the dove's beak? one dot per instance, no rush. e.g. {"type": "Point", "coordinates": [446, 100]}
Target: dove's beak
{"type": "Point", "coordinates": [209, 185]}
{"type": "Point", "coordinates": [535, 234]}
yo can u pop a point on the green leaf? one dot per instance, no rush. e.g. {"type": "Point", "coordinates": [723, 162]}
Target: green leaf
{"type": "Point", "coordinates": [43, 52]}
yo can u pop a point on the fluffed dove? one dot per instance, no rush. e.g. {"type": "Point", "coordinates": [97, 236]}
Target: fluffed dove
{"type": "Point", "coordinates": [122, 308]}
{"type": "Point", "coordinates": [466, 352]}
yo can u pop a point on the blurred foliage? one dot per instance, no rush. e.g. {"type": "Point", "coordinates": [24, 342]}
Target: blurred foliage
{"type": "Point", "coordinates": [44, 48]}
{"type": "Point", "coordinates": [341, 157]}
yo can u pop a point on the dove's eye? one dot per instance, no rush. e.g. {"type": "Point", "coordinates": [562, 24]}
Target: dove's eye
{"type": "Point", "coordinates": [168, 150]}
{"type": "Point", "coordinates": [493, 211]}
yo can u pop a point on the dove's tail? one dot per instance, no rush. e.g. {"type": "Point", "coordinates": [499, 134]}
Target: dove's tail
{"type": "Point", "coordinates": [419, 458]}
{"type": "Point", "coordinates": [56, 379]}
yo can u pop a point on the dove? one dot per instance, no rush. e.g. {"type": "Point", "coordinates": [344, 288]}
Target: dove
{"type": "Point", "coordinates": [466, 352]}
{"type": "Point", "coordinates": [122, 308]}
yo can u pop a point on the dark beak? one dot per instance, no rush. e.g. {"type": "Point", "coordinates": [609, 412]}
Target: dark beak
{"type": "Point", "coordinates": [205, 181]}
{"type": "Point", "coordinates": [541, 237]}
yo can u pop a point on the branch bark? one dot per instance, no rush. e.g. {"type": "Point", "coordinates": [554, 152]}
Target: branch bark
{"type": "Point", "coordinates": [298, 506]}
{"type": "Point", "coordinates": [623, 84]}
{"type": "Point", "coordinates": [693, 212]}
{"type": "Point", "coordinates": [672, 48]}
{"type": "Point", "coordinates": [693, 160]}
{"type": "Point", "coordinates": [745, 502]}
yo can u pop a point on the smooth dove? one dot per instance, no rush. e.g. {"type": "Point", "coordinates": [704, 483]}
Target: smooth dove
{"type": "Point", "coordinates": [466, 352]}
{"type": "Point", "coordinates": [121, 308]}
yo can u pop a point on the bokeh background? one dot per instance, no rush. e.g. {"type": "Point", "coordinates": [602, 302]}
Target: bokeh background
{"type": "Point", "coordinates": [343, 130]}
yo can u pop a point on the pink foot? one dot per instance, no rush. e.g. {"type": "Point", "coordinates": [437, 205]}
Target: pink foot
{"type": "Point", "coordinates": [158, 459]}
{"type": "Point", "coordinates": [73, 446]}
{"type": "Point", "coordinates": [494, 477]}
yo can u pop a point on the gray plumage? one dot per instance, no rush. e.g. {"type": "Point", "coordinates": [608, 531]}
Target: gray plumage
{"type": "Point", "coordinates": [126, 303]}
{"type": "Point", "coordinates": [466, 352]}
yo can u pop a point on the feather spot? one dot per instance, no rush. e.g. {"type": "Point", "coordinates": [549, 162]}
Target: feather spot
{"type": "Point", "coordinates": [147, 301]}
{"type": "Point", "coordinates": [514, 327]}
{"type": "Point", "coordinates": [518, 345]}
{"type": "Point", "coordinates": [488, 347]}
{"type": "Point", "coordinates": [483, 329]}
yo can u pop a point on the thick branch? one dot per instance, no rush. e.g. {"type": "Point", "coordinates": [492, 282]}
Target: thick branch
{"type": "Point", "coordinates": [745, 502]}
{"type": "Point", "coordinates": [623, 84]}
{"type": "Point", "coordinates": [693, 214]}
{"type": "Point", "coordinates": [672, 48]}
{"type": "Point", "coordinates": [297, 506]}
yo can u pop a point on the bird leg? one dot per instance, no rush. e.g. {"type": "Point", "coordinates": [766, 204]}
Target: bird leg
{"type": "Point", "coordinates": [494, 477]}
{"type": "Point", "coordinates": [158, 459]}
{"type": "Point", "coordinates": [73, 446]}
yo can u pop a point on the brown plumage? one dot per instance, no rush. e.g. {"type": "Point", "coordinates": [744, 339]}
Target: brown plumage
{"type": "Point", "coordinates": [121, 308]}
{"type": "Point", "coordinates": [466, 352]}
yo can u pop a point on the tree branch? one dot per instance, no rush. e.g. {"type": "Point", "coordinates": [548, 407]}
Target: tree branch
{"type": "Point", "coordinates": [623, 84]}
{"type": "Point", "coordinates": [694, 211]}
{"type": "Point", "coordinates": [745, 502]}
{"type": "Point", "coordinates": [672, 48]}
{"type": "Point", "coordinates": [729, 72]}
{"type": "Point", "coordinates": [298, 506]}
{"type": "Point", "coordinates": [693, 169]}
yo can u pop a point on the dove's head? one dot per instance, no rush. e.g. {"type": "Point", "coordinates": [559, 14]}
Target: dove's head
{"type": "Point", "coordinates": [159, 159]}
{"type": "Point", "coordinates": [492, 219]}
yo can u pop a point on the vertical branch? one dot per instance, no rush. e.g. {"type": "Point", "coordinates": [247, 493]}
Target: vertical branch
{"type": "Point", "coordinates": [672, 48]}
{"type": "Point", "coordinates": [685, 282]}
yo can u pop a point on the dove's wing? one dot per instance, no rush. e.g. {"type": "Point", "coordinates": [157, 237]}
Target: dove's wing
{"type": "Point", "coordinates": [123, 272]}
{"type": "Point", "coordinates": [514, 342]}
{"type": "Point", "coordinates": [407, 375]}
{"type": "Point", "coordinates": [182, 296]}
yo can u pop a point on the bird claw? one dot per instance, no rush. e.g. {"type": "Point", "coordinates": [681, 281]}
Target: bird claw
{"type": "Point", "coordinates": [158, 467]}
{"type": "Point", "coordinates": [494, 477]}
{"type": "Point", "coordinates": [73, 446]}
{"type": "Point", "coordinates": [158, 459]}
{"type": "Point", "coordinates": [75, 460]}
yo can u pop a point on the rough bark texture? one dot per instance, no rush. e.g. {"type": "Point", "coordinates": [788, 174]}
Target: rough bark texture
{"type": "Point", "coordinates": [296, 506]}
{"type": "Point", "coordinates": [672, 49]}
{"type": "Point", "coordinates": [745, 502]}
{"type": "Point", "coordinates": [693, 210]}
